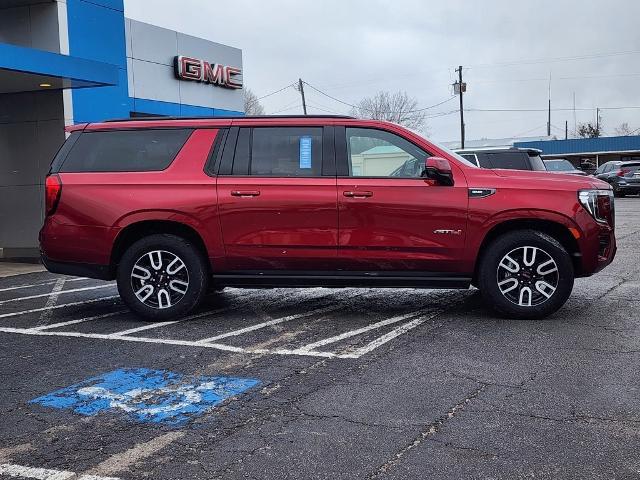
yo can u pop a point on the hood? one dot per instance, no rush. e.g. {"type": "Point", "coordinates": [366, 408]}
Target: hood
{"type": "Point", "coordinates": [553, 180]}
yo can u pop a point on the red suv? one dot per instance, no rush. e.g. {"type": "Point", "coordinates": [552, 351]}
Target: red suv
{"type": "Point", "coordinates": [172, 208]}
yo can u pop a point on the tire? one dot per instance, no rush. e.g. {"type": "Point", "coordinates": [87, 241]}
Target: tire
{"type": "Point", "coordinates": [618, 193]}
{"type": "Point", "coordinates": [525, 274]}
{"type": "Point", "coordinates": [162, 277]}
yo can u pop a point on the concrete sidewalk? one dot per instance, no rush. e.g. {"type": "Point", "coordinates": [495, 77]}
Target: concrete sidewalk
{"type": "Point", "coordinates": [8, 269]}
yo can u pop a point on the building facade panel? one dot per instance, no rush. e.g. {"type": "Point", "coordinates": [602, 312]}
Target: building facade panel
{"type": "Point", "coordinates": [75, 61]}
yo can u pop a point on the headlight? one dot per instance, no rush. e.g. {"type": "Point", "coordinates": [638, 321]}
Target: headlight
{"type": "Point", "coordinates": [600, 204]}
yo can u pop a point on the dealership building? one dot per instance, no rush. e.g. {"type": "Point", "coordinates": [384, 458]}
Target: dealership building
{"type": "Point", "coordinates": [76, 61]}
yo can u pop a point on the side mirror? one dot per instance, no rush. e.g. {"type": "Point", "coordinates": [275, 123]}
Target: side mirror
{"type": "Point", "coordinates": [439, 169]}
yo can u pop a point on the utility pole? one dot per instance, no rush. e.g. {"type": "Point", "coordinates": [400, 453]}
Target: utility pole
{"type": "Point", "coordinates": [459, 88]}
{"type": "Point", "coordinates": [566, 129]}
{"type": "Point", "coordinates": [549, 115]}
{"type": "Point", "coordinates": [575, 123]}
{"type": "Point", "coordinates": [301, 88]}
{"type": "Point", "coordinates": [598, 121]}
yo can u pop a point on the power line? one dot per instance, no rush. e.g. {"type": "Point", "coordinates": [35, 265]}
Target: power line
{"type": "Point", "coordinates": [529, 131]}
{"type": "Point", "coordinates": [555, 79]}
{"type": "Point", "coordinates": [295, 104]}
{"type": "Point", "coordinates": [277, 91]}
{"type": "Point", "coordinates": [555, 59]}
{"type": "Point", "coordinates": [354, 106]}
{"type": "Point", "coordinates": [545, 109]}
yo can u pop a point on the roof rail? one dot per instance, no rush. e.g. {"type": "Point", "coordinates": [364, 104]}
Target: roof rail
{"type": "Point", "coordinates": [225, 117]}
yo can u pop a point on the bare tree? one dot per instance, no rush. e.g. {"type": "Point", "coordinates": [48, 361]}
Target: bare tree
{"type": "Point", "coordinates": [395, 107]}
{"type": "Point", "coordinates": [623, 130]}
{"type": "Point", "coordinates": [591, 130]}
{"type": "Point", "coordinates": [252, 105]}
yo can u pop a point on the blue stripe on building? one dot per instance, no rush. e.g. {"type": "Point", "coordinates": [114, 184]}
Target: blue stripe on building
{"type": "Point", "coordinates": [585, 145]}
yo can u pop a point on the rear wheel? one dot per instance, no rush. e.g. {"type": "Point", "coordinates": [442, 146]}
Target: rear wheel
{"type": "Point", "coordinates": [162, 277]}
{"type": "Point", "coordinates": [525, 274]}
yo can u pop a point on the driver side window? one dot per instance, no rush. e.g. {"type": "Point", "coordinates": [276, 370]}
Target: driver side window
{"type": "Point", "coordinates": [377, 153]}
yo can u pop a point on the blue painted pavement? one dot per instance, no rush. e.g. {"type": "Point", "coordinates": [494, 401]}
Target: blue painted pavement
{"type": "Point", "coordinates": [157, 396]}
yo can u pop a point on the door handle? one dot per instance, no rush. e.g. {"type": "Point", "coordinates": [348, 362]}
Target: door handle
{"type": "Point", "coordinates": [353, 194]}
{"type": "Point", "coordinates": [245, 193]}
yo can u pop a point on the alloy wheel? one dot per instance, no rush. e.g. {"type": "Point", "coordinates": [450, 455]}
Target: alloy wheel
{"type": "Point", "coordinates": [160, 279]}
{"type": "Point", "coordinates": [527, 276]}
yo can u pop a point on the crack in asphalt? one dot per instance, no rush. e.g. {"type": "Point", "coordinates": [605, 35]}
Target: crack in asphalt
{"type": "Point", "coordinates": [428, 430]}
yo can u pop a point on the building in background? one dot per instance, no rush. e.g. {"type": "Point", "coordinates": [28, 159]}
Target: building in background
{"type": "Point", "coordinates": [507, 142]}
{"type": "Point", "coordinates": [77, 61]}
{"type": "Point", "coordinates": [588, 153]}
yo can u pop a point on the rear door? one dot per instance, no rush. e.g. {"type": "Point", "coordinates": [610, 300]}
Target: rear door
{"type": "Point", "coordinates": [277, 199]}
{"type": "Point", "coordinates": [391, 217]}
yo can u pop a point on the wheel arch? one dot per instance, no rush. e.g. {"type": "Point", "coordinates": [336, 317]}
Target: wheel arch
{"type": "Point", "coordinates": [138, 230]}
{"type": "Point", "coordinates": [555, 229]}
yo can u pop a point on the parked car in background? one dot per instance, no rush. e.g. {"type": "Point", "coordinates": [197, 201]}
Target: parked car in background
{"type": "Point", "coordinates": [624, 177]}
{"type": "Point", "coordinates": [173, 208]}
{"type": "Point", "coordinates": [506, 158]}
{"type": "Point", "coordinates": [560, 165]}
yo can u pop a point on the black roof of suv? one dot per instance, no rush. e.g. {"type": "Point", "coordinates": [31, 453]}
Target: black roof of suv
{"type": "Point", "coordinates": [507, 158]}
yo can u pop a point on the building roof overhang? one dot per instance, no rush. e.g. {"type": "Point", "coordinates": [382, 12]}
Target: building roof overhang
{"type": "Point", "coordinates": [25, 69]}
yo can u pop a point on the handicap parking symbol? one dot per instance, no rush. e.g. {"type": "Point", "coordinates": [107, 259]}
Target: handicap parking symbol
{"type": "Point", "coordinates": [156, 396]}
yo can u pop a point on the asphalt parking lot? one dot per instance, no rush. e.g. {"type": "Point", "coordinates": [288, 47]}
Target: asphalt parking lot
{"type": "Point", "coordinates": [320, 383]}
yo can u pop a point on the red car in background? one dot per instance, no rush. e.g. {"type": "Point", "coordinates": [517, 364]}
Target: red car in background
{"type": "Point", "coordinates": [172, 208]}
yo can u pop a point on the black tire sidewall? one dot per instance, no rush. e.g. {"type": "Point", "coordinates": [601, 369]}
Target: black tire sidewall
{"type": "Point", "coordinates": [487, 274]}
{"type": "Point", "coordinates": [194, 261]}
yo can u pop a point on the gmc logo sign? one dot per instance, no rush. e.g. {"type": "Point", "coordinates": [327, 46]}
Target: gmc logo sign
{"type": "Point", "coordinates": [188, 68]}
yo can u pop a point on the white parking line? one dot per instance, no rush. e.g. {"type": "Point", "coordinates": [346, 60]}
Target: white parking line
{"type": "Point", "coordinates": [57, 293]}
{"type": "Point", "coordinates": [353, 333]}
{"type": "Point", "coordinates": [151, 326]}
{"type": "Point", "coordinates": [41, 284]}
{"type": "Point", "coordinates": [80, 320]}
{"type": "Point", "coordinates": [51, 301]}
{"type": "Point", "coordinates": [276, 321]}
{"type": "Point", "coordinates": [21, 471]}
{"type": "Point", "coordinates": [144, 327]}
{"type": "Point", "coordinates": [34, 310]}
{"type": "Point", "coordinates": [378, 342]}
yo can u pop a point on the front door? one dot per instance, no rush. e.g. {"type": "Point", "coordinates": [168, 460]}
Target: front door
{"type": "Point", "coordinates": [392, 218]}
{"type": "Point", "coordinates": [277, 204]}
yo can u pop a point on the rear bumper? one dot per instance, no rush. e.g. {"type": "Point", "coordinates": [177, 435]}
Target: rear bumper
{"type": "Point", "coordinates": [101, 272]}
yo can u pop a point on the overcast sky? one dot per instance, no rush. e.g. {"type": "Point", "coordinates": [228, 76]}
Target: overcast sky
{"type": "Point", "coordinates": [354, 48]}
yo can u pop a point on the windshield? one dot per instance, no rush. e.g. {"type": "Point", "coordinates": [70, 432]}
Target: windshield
{"type": "Point", "coordinates": [559, 166]}
{"type": "Point", "coordinates": [456, 156]}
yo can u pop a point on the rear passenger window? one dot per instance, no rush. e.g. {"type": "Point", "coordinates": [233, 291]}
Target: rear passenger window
{"type": "Point", "coordinates": [125, 150]}
{"type": "Point", "coordinates": [509, 160]}
{"type": "Point", "coordinates": [286, 152]}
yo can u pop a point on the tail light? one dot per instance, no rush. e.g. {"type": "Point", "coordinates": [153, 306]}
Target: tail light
{"type": "Point", "coordinates": [600, 204]}
{"type": "Point", "coordinates": [52, 189]}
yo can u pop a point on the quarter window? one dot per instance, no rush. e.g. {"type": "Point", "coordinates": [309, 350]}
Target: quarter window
{"type": "Point", "coordinates": [509, 160]}
{"type": "Point", "coordinates": [286, 152]}
{"type": "Point", "coordinates": [377, 153]}
{"type": "Point", "coordinates": [125, 150]}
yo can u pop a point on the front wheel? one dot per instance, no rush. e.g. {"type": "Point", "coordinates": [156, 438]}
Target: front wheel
{"type": "Point", "coordinates": [525, 274]}
{"type": "Point", "coordinates": [162, 277]}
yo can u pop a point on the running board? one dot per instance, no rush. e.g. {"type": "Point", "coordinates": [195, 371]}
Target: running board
{"type": "Point", "coordinates": [350, 279]}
